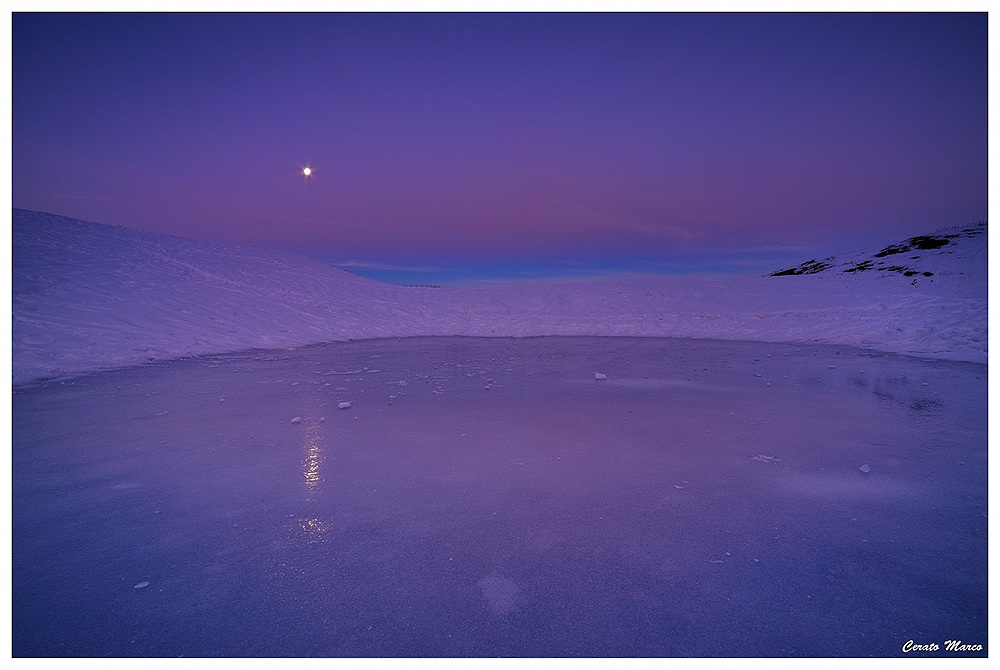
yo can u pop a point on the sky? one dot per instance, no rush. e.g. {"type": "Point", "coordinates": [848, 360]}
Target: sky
{"type": "Point", "coordinates": [457, 146]}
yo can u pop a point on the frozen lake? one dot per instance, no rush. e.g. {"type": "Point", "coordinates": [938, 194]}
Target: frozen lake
{"type": "Point", "coordinates": [490, 497]}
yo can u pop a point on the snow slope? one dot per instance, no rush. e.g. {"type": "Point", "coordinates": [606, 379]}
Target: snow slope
{"type": "Point", "coordinates": [88, 296]}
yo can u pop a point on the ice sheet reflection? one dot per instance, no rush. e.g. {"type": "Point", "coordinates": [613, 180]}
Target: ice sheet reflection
{"type": "Point", "coordinates": [314, 456]}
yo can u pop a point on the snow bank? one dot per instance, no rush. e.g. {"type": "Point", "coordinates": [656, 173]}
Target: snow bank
{"type": "Point", "coordinates": [88, 296]}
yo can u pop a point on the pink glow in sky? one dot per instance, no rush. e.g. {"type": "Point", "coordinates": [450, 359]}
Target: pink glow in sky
{"type": "Point", "coordinates": [510, 137]}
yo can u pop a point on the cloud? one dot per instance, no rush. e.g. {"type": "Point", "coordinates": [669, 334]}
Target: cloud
{"type": "Point", "coordinates": [367, 265]}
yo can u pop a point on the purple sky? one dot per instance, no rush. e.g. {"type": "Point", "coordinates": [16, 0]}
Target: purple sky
{"type": "Point", "coordinates": [651, 142]}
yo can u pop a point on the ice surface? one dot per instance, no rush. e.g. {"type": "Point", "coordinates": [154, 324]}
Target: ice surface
{"type": "Point", "coordinates": [704, 500]}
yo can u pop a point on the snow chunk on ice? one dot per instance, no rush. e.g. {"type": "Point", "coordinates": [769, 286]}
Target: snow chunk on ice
{"type": "Point", "coordinates": [344, 405]}
{"type": "Point", "coordinates": [297, 419]}
{"type": "Point", "coordinates": [599, 376]}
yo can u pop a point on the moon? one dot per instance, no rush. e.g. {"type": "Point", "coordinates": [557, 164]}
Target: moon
{"type": "Point", "coordinates": [306, 171]}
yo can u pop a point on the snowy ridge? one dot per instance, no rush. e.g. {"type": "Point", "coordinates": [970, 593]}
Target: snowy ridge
{"type": "Point", "coordinates": [946, 252]}
{"type": "Point", "coordinates": [87, 296]}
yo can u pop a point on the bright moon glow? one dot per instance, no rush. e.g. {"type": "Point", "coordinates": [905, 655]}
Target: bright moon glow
{"type": "Point", "coordinates": [307, 171]}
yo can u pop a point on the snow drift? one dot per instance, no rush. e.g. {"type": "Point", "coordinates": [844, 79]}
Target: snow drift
{"type": "Point", "coordinates": [88, 296]}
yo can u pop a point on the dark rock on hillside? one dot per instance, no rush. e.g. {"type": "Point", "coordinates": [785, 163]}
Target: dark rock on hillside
{"type": "Point", "coordinates": [874, 261]}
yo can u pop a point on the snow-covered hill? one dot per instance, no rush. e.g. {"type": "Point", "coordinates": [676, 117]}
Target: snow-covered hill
{"type": "Point", "coordinates": [947, 253]}
{"type": "Point", "coordinates": [88, 296]}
